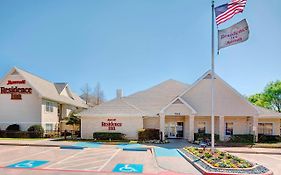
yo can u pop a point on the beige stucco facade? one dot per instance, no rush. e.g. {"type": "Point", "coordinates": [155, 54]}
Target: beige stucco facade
{"type": "Point", "coordinates": [179, 111]}
{"type": "Point", "coordinates": [30, 107]}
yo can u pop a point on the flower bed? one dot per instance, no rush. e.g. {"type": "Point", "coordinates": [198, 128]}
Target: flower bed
{"type": "Point", "coordinates": [219, 159]}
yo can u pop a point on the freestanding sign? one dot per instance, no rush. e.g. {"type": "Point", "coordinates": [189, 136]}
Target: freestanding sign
{"type": "Point", "coordinates": [235, 34]}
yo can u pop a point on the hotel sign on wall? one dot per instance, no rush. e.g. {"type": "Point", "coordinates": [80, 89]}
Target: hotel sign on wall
{"type": "Point", "coordinates": [111, 124]}
{"type": "Point", "coordinates": [15, 91]}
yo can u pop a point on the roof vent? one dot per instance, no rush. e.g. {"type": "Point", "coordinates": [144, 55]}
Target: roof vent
{"type": "Point", "coordinates": [209, 76]}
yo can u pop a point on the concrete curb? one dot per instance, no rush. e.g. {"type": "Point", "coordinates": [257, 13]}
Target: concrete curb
{"type": "Point", "coordinates": [253, 152]}
{"type": "Point", "coordinates": [204, 172]}
{"type": "Point", "coordinates": [27, 144]}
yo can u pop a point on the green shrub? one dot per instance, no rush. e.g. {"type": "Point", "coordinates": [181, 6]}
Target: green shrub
{"type": "Point", "coordinates": [242, 138]}
{"type": "Point", "coordinates": [36, 131]}
{"type": "Point", "coordinates": [148, 134]}
{"type": "Point", "coordinates": [16, 134]}
{"type": "Point", "coordinates": [13, 127]}
{"type": "Point", "coordinates": [204, 137]}
{"type": "Point", "coordinates": [108, 136]}
{"type": "Point", "coordinates": [269, 138]}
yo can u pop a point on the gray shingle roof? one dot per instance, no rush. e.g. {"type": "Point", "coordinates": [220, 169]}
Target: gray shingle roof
{"type": "Point", "coordinates": [144, 103]}
{"type": "Point", "coordinates": [60, 86]}
{"type": "Point", "coordinates": [48, 89]}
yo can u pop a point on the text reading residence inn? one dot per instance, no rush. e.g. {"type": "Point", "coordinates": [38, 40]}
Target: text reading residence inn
{"type": "Point", "coordinates": [26, 100]}
{"type": "Point", "coordinates": [179, 110]}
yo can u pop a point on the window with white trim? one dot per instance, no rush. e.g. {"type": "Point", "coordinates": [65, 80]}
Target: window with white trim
{"type": "Point", "coordinates": [49, 127]}
{"type": "Point", "coordinates": [201, 127]}
{"type": "Point", "coordinates": [229, 128]}
{"type": "Point", "coordinates": [49, 107]}
{"type": "Point", "coordinates": [265, 128]}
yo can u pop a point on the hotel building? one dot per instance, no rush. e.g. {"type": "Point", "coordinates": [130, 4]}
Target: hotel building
{"type": "Point", "coordinates": [179, 110]}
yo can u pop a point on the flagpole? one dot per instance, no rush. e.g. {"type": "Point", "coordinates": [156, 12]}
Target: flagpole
{"type": "Point", "coordinates": [212, 85]}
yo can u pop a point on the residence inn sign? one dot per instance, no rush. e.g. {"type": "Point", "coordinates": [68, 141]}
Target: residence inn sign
{"type": "Point", "coordinates": [16, 91]}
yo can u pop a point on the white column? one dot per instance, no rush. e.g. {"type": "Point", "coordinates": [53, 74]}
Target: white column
{"type": "Point", "coordinates": [162, 125]}
{"type": "Point", "coordinates": [222, 128]}
{"type": "Point", "coordinates": [191, 128]}
{"type": "Point", "coordinates": [255, 127]}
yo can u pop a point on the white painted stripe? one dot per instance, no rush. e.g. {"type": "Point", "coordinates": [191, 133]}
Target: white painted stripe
{"type": "Point", "coordinates": [109, 160]}
{"type": "Point", "coordinates": [81, 164]}
{"type": "Point", "coordinates": [29, 155]}
{"type": "Point", "coordinates": [82, 159]}
{"type": "Point", "coordinates": [95, 153]}
{"type": "Point", "coordinates": [67, 158]}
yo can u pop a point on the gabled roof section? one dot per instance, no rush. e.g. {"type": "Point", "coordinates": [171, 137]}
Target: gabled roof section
{"type": "Point", "coordinates": [227, 100]}
{"type": "Point", "coordinates": [148, 102]}
{"type": "Point", "coordinates": [152, 100]}
{"type": "Point", "coordinates": [47, 89]}
{"type": "Point", "coordinates": [181, 105]}
{"type": "Point", "coordinates": [60, 87]}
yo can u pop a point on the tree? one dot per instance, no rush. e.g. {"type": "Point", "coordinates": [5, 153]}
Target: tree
{"type": "Point", "coordinates": [272, 93]}
{"type": "Point", "coordinates": [259, 100]}
{"type": "Point", "coordinates": [86, 91]}
{"type": "Point", "coordinates": [270, 98]}
{"type": "Point", "coordinates": [73, 120]}
{"type": "Point", "coordinates": [98, 94]}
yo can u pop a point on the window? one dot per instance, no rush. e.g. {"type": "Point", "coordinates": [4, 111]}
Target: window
{"type": "Point", "coordinates": [201, 127]}
{"type": "Point", "coordinates": [49, 106]}
{"type": "Point", "coordinates": [49, 127]}
{"type": "Point", "coordinates": [265, 128]}
{"type": "Point", "coordinates": [229, 128]}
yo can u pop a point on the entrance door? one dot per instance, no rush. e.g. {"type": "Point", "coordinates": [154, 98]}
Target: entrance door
{"type": "Point", "coordinates": [174, 130]}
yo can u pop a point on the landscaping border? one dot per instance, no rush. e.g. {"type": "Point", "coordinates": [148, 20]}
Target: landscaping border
{"type": "Point", "coordinates": [206, 169]}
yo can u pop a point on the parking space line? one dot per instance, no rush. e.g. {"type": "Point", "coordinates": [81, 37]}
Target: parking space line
{"type": "Point", "coordinates": [88, 158]}
{"type": "Point", "coordinates": [85, 163]}
{"type": "Point", "coordinates": [13, 149]}
{"type": "Point", "coordinates": [109, 160]}
{"type": "Point", "coordinates": [67, 158]}
{"type": "Point", "coordinates": [30, 155]}
{"type": "Point", "coordinates": [96, 153]}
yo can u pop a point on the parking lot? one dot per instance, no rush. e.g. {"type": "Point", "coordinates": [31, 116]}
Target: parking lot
{"type": "Point", "coordinates": [53, 160]}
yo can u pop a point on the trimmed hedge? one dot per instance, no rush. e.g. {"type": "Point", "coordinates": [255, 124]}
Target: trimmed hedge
{"type": "Point", "coordinates": [204, 137]}
{"type": "Point", "coordinates": [13, 127]}
{"type": "Point", "coordinates": [36, 131]}
{"type": "Point", "coordinates": [108, 136]}
{"type": "Point", "coordinates": [242, 138]}
{"type": "Point", "coordinates": [14, 134]}
{"type": "Point", "coordinates": [269, 138]}
{"type": "Point", "coordinates": [149, 134]}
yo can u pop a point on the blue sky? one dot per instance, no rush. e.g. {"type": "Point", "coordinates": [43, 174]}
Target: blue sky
{"type": "Point", "coordinates": [135, 44]}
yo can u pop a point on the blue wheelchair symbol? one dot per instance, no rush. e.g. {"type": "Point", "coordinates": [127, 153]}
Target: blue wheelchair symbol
{"type": "Point", "coordinates": [28, 164]}
{"type": "Point", "coordinates": [128, 168]}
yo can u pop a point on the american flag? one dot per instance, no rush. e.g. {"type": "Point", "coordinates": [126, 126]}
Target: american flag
{"type": "Point", "coordinates": [227, 11]}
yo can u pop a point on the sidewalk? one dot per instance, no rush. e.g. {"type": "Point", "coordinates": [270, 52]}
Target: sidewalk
{"type": "Point", "coordinates": [276, 151]}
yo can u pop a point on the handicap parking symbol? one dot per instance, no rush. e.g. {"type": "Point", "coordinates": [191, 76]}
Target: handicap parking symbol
{"type": "Point", "coordinates": [128, 168]}
{"type": "Point", "coordinates": [28, 164]}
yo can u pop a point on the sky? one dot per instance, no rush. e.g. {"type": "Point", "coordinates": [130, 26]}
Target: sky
{"type": "Point", "coordinates": [136, 44]}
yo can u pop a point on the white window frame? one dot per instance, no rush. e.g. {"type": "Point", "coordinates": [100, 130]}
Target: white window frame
{"type": "Point", "coordinates": [226, 124]}
{"type": "Point", "coordinates": [205, 126]}
{"type": "Point", "coordinates": [51, 125]}
{"type": "Point", "coordinates": [49, 106]}
{"type": "Point", "coordinates": [264, 123]}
